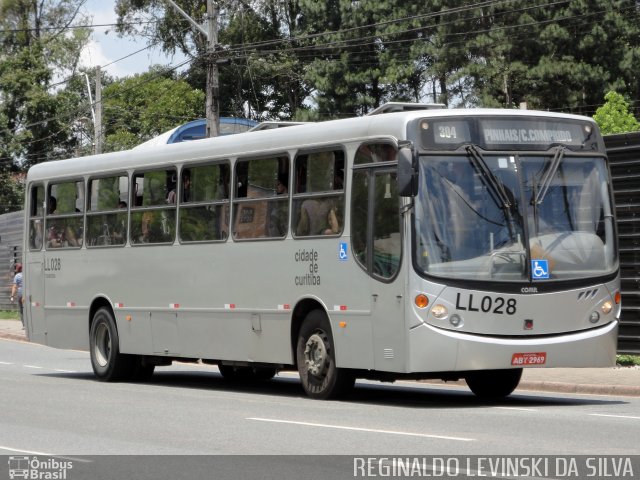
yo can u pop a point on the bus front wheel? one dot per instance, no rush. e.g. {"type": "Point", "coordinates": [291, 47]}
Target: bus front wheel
{"type": "Point", "coordinates": [315, 354]}
{"type": "Point", "coordinates": [493, 384]}
{"type": "Point", "coordinates": [108, 363]}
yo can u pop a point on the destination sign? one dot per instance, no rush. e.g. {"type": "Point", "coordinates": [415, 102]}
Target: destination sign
{"type": "Point", "coordinates": [504, 133]}
{"type": "Point", "coordinates": [531, 132]}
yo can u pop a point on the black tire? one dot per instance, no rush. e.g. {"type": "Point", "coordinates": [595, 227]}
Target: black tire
{"type": "Point", "coordinates": [233, 373]}
{"type": "Point", "coordinates": [108, 363]}
{"type": "Point", "coordinates": [493, 384]}
{"type": "Point", "coordinates": [315, 354]}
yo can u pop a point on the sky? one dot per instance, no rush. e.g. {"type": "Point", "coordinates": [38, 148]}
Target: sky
{"type": "Point", "coordinates": [105, 46]}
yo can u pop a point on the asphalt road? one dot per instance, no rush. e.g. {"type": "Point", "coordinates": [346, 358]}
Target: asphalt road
{"type": "Point", "coordinates": [52, 405]}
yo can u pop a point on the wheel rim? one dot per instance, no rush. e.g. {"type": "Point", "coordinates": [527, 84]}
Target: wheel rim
{"type": "Point", "coordinates": [316, 355]}
{"type": "Point", "coordinates": [102, 348]}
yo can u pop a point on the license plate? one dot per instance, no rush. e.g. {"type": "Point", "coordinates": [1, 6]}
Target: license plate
{"type": "Point", "coordinates": [523, 359]}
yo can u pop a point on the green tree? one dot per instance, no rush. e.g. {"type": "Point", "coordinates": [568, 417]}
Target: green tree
{"type": "Point", "coordinates": [265, 75]}
{"type": "Point", "coordinates": [614, 116]}
{"type": "Point", "coordinates": [143, 106]}
{"type": "Point", "coordinates": [261, 75]}
{"type": "Point", "coordinates": [36, 44]}
{"type": "Point", "coordinates": [560, 56]}
{"type": "Point", "coordinates": [364, 53]}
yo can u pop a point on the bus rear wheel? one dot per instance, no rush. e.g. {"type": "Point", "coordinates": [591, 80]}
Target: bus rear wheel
{"type": "Point", "coordinates": [108, 363]}
{"type": "Point", "coordinates": [493, 384]}
{"type": "Point", "coordinates": [315, 354]}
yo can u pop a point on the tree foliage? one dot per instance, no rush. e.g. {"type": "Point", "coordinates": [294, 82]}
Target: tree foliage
{"type": "Point", "coordinates": [614, 116]}
{"type": "Point", "coordinates": [143, 106]}
{"type": "Point", "coordinates": [37, 46]}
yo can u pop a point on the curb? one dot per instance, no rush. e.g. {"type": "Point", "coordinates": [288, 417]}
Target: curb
{"type": "Point", "coordinates": [13, 336]}
{"type": "Point", "coordinates": [559, 387]}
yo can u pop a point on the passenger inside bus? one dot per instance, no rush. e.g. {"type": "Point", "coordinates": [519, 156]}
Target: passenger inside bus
{"type": "Point", "coordinates": [278, 210]}
{"type": "Point", "coordinates": [317, 217]}
{"type": "Point", "coordinates": [186, 189]}
{"type": "Point", "coordinates": [60, 234]}
{"type": "Point", "coordinates": [151, 222]}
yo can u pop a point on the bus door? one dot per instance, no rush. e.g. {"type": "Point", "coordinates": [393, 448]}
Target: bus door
{"type": "Point", "coordinates": [35, 268]}
{"type": "Point", "coordinates": [377, 244]}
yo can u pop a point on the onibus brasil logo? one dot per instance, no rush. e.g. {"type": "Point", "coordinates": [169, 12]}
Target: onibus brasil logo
{"type": "Point", "coordinates": [36, 469]}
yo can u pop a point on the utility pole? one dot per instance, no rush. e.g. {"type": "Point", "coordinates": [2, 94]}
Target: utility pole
{"type": "Point", "coordinates": [97, 122]}
{"type": "Point", "coordinates": [213, 83]}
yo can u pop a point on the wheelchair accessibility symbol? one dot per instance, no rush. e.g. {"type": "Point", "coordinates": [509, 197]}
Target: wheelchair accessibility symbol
{"type": "Point", "coordinates": [342, 252]}
{"type": "Point", "coordinates": [539, 269]}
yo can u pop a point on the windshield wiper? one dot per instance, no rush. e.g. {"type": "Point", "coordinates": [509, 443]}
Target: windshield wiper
{"type": "Point", "coordinates": [490, 179]}
{"type": "Point", "coordinates": [545, 183]}
{"type": "Point", "coordinates": [494, 184]}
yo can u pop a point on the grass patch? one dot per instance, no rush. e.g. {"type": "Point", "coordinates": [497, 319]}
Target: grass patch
{"type": "Point", "coordinates": [628, 360]}
{"type": "Point", "coordinates": [9, 315]}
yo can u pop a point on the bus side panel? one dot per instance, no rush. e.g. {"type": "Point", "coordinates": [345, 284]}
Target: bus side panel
{"type": "Point", "coordinates": [67, 328]}
{"type": "Point", "coordinates": [134, 330]}
{"type": "Point", "coordinates": [354, 341]}
{"type": "Point", "coordinates": [239, 336]}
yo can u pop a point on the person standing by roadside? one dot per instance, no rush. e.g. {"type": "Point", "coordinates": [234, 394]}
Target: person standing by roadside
{"type": "Point", "coordinates": [16, 290]}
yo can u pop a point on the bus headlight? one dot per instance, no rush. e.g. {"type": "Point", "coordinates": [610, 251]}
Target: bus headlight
{"type": "Point", "coordinates": [606, 307]}
{"type": "Point", "coordinates": [594, 317]}
{"type": "Point", "coordinates": [455, 320]}
{"type": "Point", "coordinates": [439, 311]}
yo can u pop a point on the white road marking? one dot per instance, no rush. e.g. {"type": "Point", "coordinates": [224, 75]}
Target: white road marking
{"type": "Point", "coordinates": [613, 416]}
{"type": "Point", "coordinates": [358, 429]}
{"type": "Point", "coordinates": [31, 452]}
{"type": "Point", "coordinates": [36, 367]}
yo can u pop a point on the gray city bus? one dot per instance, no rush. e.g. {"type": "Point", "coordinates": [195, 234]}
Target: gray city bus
{"type": "Point", "coordinates": [434, 243]}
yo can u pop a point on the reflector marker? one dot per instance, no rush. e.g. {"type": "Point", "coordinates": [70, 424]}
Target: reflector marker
{"type": "Point", "coordinates": [339, 308]}
{"type": "Point", "coordinates": [229, 306]}
{"type": "Point", "coordinates": [174, 305]}
{"type": "Point", "coordinates": [35, 304]}
{"type": "Point", "coordinates": [285, 306]}
{"type": "Point", "coordinates": [71, 304]}
{"type": "Point", "coordinates": [118, 305]}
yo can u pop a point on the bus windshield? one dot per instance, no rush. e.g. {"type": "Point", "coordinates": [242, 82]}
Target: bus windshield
{"type": "Point", "coordinates": [508, 217]}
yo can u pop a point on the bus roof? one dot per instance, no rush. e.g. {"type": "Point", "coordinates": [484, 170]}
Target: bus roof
{"type": "Point", "coordinates": [278, 140]}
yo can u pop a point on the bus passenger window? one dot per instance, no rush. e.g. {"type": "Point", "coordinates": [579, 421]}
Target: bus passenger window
{"type": "Point", "coordinates": [65, 215]}
{"type": "Point", "coordinates": [107, 211]}
{"type": "Point", "coordinates": [36, 217]}
{"type": "Point", "coordinates": [261, 207]}
{"type": "Point", "coordinates": [153, 221]}
{"type": "Point", "coordinates": [204, 205]}
{"type": "Point", "coordinates": [318, 204]}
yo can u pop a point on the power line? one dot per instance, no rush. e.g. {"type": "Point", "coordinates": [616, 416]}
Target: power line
{"type": "Point", "coordinates": [73, 27]}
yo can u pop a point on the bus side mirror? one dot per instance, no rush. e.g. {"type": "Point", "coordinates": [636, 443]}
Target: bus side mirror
{"type": "Point", "coordinates": [407, 174]}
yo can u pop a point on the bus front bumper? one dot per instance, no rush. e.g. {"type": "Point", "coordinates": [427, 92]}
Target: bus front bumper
{"type": "Point", "coordinates": [437, 350]}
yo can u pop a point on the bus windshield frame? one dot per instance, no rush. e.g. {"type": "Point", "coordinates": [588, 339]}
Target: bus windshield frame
{"type": "Point", "coordinates": [514, 217]}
